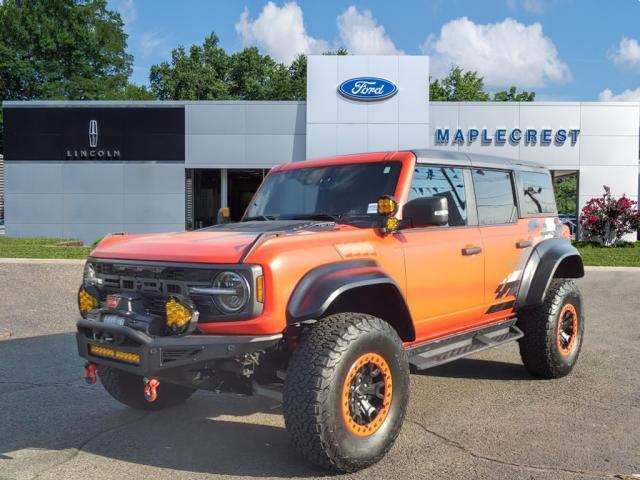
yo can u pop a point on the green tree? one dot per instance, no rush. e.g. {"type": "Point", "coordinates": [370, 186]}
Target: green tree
{"type": "Point", "coordinates": [339, 51]}
{"type": "Point", "coordinates": [565, 189]}
{"type": "Point", "coordinates": [513, 96]}
{"type": "Point", "coordinates": [200, 74]}
{"type": "Point", "coordinates": [298, 74]}
{"type": "Point", "coordinates": [461, 86]}
{"type": "Point", "coordinates": [458, 87]}
{"type": "Point", "coordinates": [207, 72]}
{"type": "Point", "coordinates": [62, 49]}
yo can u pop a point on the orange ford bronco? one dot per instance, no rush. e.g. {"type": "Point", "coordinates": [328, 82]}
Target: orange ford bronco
{"type": "Point", "coordinates": [342, 273]}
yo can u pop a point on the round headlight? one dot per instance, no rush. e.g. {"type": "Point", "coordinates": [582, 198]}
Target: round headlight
{"type": "Point", "coordinates": [90, 275]}
{"type": "Point", "coordinates": [237, 292]}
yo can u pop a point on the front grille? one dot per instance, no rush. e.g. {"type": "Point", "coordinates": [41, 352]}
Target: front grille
{"type": "Point", "coordinates": [178, 274]}
{"type": "Point", "coordinates": [157, 283]}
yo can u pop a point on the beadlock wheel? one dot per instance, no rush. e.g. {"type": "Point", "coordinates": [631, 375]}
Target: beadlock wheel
{"type": "Point", "coordinates": [567, 329]}
{"type": "Point", "coordinates": [367, 394]}
{"type": "Point", "coordinates": [346, 391]}
{"type": "Point", "coordinates": [553, 331]}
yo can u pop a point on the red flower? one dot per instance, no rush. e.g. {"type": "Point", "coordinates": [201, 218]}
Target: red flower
{"type": "Point", "coordinates": [593, 219]}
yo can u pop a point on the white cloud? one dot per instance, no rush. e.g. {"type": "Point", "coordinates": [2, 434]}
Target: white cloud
{"type": "Point", "coordinates": [279, 32]}
{"type": "Point", "coordinates": [128, 11]}
{"type": "Point", "coordinates": [531, 6]}
{"type": "Point", "coordinates": [627, 96]}
{"type": "Point", "coordinates": [627, 54]}
{"type": "Point", "coordinates": [505, 53]}
{"type": "Point", "coordinates": [361, 34]}
{"type": "Point", "coordinates": [152, 43]}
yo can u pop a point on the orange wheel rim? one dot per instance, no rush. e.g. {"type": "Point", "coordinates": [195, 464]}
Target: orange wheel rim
{"type": "Point", "coordinates": [567, 333]}
{"type": "Point", "coordinates": [366, 394]}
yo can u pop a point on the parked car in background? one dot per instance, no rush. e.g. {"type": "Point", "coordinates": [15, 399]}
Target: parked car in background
{"type": "Point", "coordinates": [571, 222]}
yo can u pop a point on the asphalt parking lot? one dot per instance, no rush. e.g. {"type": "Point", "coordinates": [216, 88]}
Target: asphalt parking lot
{"type": "Point", "coordinates": [481, 417]}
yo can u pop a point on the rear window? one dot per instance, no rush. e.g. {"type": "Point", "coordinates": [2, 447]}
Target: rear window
{"type": "Point", "coordinates": [494, 197]}
{"type": "Point", "coordinates": [538, 193]}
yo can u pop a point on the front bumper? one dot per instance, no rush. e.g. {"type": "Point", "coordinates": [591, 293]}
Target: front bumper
{"type": "Point", "coordinates": [160, 354]}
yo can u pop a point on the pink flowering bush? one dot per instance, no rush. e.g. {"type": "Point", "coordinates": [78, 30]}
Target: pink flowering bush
{"type": "Point", "coordinates": [607, 219]}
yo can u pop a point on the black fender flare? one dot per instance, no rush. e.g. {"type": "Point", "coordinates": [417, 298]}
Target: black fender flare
{"type": "Point", "coordinates": [550, 258]}
{"type": "Point", "coordinates": [322, 286]}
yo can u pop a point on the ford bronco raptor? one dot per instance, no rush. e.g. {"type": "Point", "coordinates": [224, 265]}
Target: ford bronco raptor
{"type": "Point", "coordinates": [342, 274]}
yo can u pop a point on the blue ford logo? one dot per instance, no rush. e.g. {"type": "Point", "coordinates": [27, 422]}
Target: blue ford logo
{"type": "Point", "coordinates": [367, 89]}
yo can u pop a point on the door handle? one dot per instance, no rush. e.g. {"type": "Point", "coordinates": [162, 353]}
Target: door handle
{"type": "Point", "coordinates": [523, 244]}
{"type": "Point", "coordinates": [471, 250]}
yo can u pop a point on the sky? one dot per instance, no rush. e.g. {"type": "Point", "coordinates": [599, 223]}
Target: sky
{"type": "Point", "coordinates": [564, 50]}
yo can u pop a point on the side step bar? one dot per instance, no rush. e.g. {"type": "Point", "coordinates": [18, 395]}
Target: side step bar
{"type": "Point", "coordinates": [460, 345]}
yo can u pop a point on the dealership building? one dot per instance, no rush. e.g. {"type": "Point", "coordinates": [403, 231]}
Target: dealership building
{"type": "Point", "coordinates": [84, 169]}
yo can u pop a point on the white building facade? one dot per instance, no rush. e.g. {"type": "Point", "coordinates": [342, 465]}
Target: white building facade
{"type": "Point", "coordinates": [84, 169]}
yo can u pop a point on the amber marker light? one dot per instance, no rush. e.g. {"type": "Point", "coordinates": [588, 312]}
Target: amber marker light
{"type": "Point", "coordinates": [177, 314]}
{"type": "Point", "coordinates": [260, 289]}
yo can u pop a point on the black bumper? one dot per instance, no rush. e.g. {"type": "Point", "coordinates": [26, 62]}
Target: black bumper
{"type": "Point", "coordinates": [159, 354]}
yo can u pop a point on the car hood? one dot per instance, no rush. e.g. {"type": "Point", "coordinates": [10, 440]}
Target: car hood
{"type": "Point", "coordinates": [217, 244]}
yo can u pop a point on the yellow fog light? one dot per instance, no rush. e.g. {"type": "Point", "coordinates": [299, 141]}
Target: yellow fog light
{"type": "Point", "coordinates": [387, 205]}
{"type": "Point", "coordinates": [86, 302]}
{"type": "Point", "coordinates": [177, 314]}
{"type": "Point", "coordinates": [391, 224]}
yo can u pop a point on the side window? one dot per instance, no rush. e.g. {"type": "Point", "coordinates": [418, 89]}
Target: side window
{"type": "Point", "coordinates": [538, 193]}
{"type": "Point", "coordinates": [442, 182]}
{"type": "Point", "coordinates": [494, 196]}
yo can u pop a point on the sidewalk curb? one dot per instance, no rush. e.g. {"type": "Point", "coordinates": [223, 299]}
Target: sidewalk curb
{"type": "Point", "coordinates": [43, 261]}
{"type": "Point", "coordinates": [589, 268]}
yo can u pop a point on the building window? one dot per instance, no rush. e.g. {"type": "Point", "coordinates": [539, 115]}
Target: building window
{"type": "Point", "coordinates": [442, 182]}
{"type": "Point", "coordinates": [494, 197]}
{"type": "Point", "coordinates": [538, 193]}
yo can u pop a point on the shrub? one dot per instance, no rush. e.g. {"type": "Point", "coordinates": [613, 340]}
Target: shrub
{"type": "Point", "coordinates": [606, 219]}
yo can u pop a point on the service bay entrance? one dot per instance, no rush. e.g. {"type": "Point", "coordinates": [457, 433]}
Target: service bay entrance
{"type": "Point", "coordinates": [207, 190]}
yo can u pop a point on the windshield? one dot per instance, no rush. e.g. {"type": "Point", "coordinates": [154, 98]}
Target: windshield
{"type": "Point", "coordinates": [339, 192]}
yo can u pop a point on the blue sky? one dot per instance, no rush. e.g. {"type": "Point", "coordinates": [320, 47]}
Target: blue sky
{"type": "Point", "coordinates": [563, 49]}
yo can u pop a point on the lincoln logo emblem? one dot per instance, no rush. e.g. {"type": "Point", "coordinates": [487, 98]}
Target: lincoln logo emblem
{"type": "Point", "coordinates": [92, 153]}
{"type": "Point", "coordinates": [93, 133]}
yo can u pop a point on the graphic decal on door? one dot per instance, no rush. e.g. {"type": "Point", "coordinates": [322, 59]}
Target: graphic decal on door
{"type": "Point", "coordinates": [538, 230]}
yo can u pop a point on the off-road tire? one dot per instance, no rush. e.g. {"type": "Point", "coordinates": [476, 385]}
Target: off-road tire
{"type": "Point", "coordinates": [539, 347]}
{"type": "Point", "coordinates": [313, 391]}
{"type": "Point", "coordinates": [128, 388]}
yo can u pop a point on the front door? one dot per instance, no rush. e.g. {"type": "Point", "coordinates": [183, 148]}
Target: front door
{"type": "Point", "coordinates": [444, 265]}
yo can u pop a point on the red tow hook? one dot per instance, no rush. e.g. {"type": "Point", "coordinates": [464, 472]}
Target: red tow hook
{"type": "Point", "coordinates": [90, 373]}
{"type": "Point", "coordinates": [150, 389]}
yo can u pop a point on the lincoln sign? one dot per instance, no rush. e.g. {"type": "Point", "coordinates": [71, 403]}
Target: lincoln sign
{"type": "Point", "coordinates": [500, 136]}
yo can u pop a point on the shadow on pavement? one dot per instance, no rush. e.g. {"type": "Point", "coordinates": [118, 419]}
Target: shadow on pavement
{"type": "Point", "coordinates": [47, 406]}
{"type": "Point", "coordinates": [478, 369]}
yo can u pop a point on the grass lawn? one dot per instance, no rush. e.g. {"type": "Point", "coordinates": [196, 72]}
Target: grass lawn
{"type": "Point", "coordinates": [41, 248]}
{"type": "Point", "coordinates": [624, 255]}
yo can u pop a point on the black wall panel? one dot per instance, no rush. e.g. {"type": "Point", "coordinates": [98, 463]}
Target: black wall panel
{"type": "Point", "coordinates": [124, 133]}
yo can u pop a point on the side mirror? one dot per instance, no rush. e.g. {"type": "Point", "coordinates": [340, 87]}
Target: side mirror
{"type": "Point", "coordinates": [224, 215]}
{"type": "Point", "coordinates": [426, 212]}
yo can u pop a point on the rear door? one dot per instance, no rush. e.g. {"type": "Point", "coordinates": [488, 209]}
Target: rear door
{"type": "Point", "coordinates": [444, 265]}
{"type": "Point", "coordinates": [504, 240]}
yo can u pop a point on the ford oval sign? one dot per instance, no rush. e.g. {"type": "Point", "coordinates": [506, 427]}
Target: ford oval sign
{"type": "Point", "coordinates": [367, 89]}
